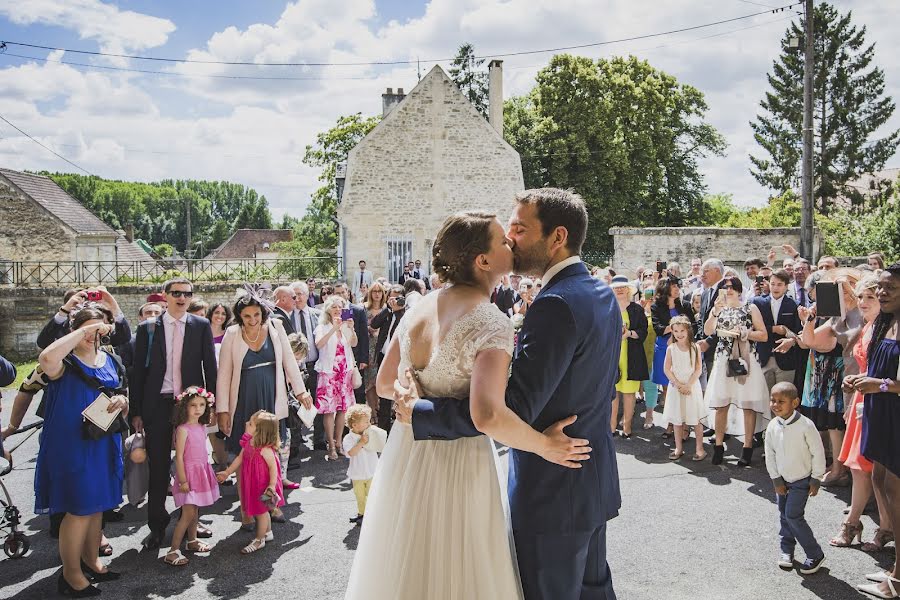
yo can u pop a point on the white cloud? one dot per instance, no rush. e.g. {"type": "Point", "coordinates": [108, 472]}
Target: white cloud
{"type": "Point", "coordinates": [253, 132]}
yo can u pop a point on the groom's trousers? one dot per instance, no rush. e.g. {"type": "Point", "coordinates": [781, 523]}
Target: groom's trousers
{"type": "Point", "coordinates": [564, 567]}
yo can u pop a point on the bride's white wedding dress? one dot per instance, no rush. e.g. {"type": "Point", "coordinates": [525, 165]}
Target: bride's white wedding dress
{"type": "Point", "coordinates": [436, 524]}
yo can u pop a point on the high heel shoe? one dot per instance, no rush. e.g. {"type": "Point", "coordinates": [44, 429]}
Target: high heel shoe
{"type": "Point", "coordinates": [96, 577]}
{"type": "Point", "coordinates": [746, 457]}
{"type": "Point", "coordinates": [845, 537]}
{"type": "Point", "coordinates": [718, 454]}
{"type": "Point", "coordinates": [64, 589]}
{"type": "Point", "coordinates": [881, 539]}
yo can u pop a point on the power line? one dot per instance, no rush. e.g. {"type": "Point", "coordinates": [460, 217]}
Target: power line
{"type": "Point", "coordinates": [60, 156]}
{"type": "Point", "coordinates": [395, 62]}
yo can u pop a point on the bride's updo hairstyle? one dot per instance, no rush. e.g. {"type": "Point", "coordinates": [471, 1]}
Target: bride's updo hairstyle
{"type": "Point", "coordinates": [462, 237]}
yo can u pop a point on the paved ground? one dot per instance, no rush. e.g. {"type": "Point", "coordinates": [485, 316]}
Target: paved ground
{"type": "Point", "coordinates": [686, 531]}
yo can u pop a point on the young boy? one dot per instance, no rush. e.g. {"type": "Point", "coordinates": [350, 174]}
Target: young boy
{"type": "Point", "coordinates": [795, 459]}
{"type": "Point", "coordinates": [362, 460]}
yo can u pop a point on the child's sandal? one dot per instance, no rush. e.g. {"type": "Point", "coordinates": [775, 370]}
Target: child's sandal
{"type": "Point", "coordinates": [179, 559]}
{"type": "Point", "coordinates": [256, 544]}
{"type": "Point", "coordinates": [197, 546]}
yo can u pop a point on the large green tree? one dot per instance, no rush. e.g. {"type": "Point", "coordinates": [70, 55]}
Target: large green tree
{"type": "Point", "coordinates": [849, 106]}
{"type": "Point", "coordinates": [472, 80]}
{"type": "Point", "coordinates": [626, 136]}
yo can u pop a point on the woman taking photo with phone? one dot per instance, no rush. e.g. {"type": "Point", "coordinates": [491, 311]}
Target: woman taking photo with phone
{"type": "Point", "coordinates": [335, 339]}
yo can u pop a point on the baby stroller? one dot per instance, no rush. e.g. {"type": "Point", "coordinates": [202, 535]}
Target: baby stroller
{"type": "Point", "coordinates": [15, 544]}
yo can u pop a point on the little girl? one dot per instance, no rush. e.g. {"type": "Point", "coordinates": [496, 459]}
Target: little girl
{"type": "Point", "coordinates": [362, 460]}
{"type": "Point", "coordinates": [260, 486]}
{"type": "Point", "coordinates": [195, 484]}
{"type": "Point", "coordinates": [684, 403]}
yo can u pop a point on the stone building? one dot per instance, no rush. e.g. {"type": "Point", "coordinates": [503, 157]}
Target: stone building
{"type": "Point", "coordinates": [432, 155]}
{"type": "Point", "coordinates": [40, 221]}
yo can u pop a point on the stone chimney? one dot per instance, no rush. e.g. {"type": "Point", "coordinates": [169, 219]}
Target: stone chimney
{"type": "Point", "coordinates": [129, 233]}
{"type": "Point", "coordinates": [495, 95]}
{"type": "Point", "coordinates": [389, 100]}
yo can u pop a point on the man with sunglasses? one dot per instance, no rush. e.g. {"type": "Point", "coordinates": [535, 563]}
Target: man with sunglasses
{"type": "Point", "coordinates": [172, 352]}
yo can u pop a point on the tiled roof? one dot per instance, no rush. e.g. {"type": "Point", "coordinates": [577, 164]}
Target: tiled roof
{"type": "Point", "coordinates": [130, 251]}
{"type": "Point", "coordinates": [245, 243]}
{"type": "Point", "coordinates": [67, 209]}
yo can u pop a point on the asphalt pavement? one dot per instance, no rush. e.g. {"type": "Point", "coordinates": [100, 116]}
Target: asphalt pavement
{"type": "Point", "coordinates": [686, 531]}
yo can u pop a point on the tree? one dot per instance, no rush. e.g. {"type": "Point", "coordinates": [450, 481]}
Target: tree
{"type": "Point", "coordinates": [624, 135]}
{"type": "Point", "coordinates": [471, 81]}
{"type": "Point", "coordinates": [849, 106]}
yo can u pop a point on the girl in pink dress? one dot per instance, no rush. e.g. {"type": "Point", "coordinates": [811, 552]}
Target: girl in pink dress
{"type": "Point", "coordinates": [196, 483]}
{"type": "Point", "coordinates": [260, 487]}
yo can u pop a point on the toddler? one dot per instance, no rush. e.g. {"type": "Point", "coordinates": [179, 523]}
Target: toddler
{"type": "Point", "coordinates": [259, 486]}
{"type": "Point", "coordinates": [795, 459]}
{"type": "Point", "coordinates": [195, 484]}
{"type": "Point", "coordinates": [362, 460]}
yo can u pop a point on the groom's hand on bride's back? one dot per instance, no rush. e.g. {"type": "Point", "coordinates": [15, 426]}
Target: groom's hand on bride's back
{"type": "Point", "coordinates": [562, 450]}
{"type": "Point", "coordinates": [405, 398]}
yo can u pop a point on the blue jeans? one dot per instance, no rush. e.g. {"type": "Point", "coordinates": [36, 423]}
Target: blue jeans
{"type": "Point", "coordinates": [794, 528]}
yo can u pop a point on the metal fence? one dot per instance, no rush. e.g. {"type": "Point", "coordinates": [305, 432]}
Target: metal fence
{"type": "Point", "coordinates": [68, 273]}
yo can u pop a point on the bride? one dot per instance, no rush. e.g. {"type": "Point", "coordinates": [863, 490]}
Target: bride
{"type": "Point", "coordinates": [436, 524]}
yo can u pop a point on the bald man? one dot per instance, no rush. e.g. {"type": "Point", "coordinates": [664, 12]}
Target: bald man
{"type": "Point", "coordinates": [284, 307]}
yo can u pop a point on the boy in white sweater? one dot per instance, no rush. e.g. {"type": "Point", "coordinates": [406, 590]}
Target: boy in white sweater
{"type": "Point", "coordinates": [795, 459]}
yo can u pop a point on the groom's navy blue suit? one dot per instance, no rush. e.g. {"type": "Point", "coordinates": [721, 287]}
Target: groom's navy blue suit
{"type": "Point", "coordinates": [566, 364]}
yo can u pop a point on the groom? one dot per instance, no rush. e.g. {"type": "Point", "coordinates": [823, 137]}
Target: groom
{"type": "Point", "coordinates": [565, 364]}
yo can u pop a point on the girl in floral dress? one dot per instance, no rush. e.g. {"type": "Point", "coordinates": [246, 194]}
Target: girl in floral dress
{"type": "Point", "coordinates": [335, 339]}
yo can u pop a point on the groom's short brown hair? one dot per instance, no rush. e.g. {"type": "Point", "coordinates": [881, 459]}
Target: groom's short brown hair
{"type": "Point", "coordinates": [559, 208]}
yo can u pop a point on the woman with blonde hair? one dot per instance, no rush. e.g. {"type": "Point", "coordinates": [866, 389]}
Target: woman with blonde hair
{"type": "Point", "coordinates": [375, 301]}
{"type": "Point", "coordinates": [335, 338]}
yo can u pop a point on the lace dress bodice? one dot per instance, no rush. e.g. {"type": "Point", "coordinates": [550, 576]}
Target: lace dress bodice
{"type": "Point", "coordinates": [448, 373]}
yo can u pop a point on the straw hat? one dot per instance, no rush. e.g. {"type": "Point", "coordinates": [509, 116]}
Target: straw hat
{"type": "Point", "coordinates": [620, 281]}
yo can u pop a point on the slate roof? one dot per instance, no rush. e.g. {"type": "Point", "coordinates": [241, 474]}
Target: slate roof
{"type": "Point", "coordinates": [245, 243]}
{"type": "Point", "coordinates": [130, 251]}
{"type": "Point", "coordinates": [56, 201]}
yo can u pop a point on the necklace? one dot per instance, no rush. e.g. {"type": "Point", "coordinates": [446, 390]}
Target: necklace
{"type": "Point", "coordinates": [247, 337]}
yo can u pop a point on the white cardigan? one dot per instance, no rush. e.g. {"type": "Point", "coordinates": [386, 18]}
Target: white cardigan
{"type": "Point", "coordinates": [231, 357]}
{"type": "Point", "coordinates": [325, 364]}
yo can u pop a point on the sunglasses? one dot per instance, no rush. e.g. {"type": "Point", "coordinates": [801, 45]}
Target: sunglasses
{"type": "Point", "coordinates": [529, 286]}
{"type": "Point", "coordinates": [728, 287]}
{"type": "Point", "coordinates": [180, 294]}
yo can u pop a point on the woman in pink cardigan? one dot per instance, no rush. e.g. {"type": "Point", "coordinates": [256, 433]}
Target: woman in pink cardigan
{"type": "Point", "coordinates": [255, 366]}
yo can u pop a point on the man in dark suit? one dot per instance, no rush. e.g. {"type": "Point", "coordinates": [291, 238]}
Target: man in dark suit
{"type": "Point", "coordinates": [172, 353]}
{"type": "Point", "coordinates": [284, 307]}
{"type": "Point", "coordinates": [386, 323]}
{"type": "Point", "coordinates": [419, 273]}
{"type": "Point", "coordinates": [58, 326]}
{"type": "Point", "coordinates": [503, 296]}
{"type": "Point", "coordinates": [406, 274]}
{"type": "Point", "coordinates": [782, 322]}
{"type": "Point", "coordinates": [566, 363]}
{"type": "Point", "coordinates": [305, 320]}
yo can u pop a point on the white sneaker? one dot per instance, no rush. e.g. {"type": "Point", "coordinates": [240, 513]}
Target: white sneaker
{"type": "Point", "coordinates": [786, 561]}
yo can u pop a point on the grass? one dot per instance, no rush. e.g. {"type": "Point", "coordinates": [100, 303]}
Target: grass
{"type": "Point", "coordinates": [23, 370]}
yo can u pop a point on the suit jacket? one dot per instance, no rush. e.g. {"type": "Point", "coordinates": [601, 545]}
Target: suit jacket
{"type": "Point", "coordinates": [361, 326]}
{"type": "Point", "coordinates": [285, 318]}
{"type": "Point", "coordinates": [404, 276]}
{"type": "Point", "coordinates": [707, 301]}
{"type": "Point", "coordinates": [383, 322]}
{"type": "Point", "coordinates": [7, 372]}
{"type": "Point", "coordinates": [198, 366]}
{"type": "Point", "coordinates": [52, 331]}
{"type": "Point", "coordinates": [661, 317]}
{"type": "Point", "coordinates": [787, 316]}
{"type": "Point", "coordinates": [566, 364]}
{"type": "Point", "coordinates": [505, 300]}
{"type": "Point", "coordinates": [313, 300]}
{"type": "Point", "coordinates": [366, 278]}
{"type": "Point", "coordinates": [422, 275]}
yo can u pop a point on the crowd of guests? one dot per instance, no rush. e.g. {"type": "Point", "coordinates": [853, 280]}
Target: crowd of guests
{"type": "Point", "coordinates": [214, 389]}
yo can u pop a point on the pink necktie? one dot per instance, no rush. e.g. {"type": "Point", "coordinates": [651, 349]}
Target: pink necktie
{"type": "Point", "coordinates": [177, 343]}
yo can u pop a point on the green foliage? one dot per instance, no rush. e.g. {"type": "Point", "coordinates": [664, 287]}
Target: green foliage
{"type": "Point", "coordinates": [471, 81]}
{"type": "Point", "coordinates": [164, 250]}
{"type": "Point", "coordinates": [623, 134]}
{"type": "Point", "coordinates": [157, 210]}
{"type": "Point", "coordinates": [849, 107]}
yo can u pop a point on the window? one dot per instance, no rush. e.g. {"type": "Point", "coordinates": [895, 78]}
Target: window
{"type": "Point", "coordinates": [399, 253]}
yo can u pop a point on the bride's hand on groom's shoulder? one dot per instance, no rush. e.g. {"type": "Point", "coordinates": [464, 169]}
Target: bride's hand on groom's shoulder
{"type": "Point", "coordinates": [561, 449]}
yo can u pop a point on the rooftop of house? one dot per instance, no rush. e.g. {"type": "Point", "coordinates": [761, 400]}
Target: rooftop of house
{"type": "Point", "coordinates": [247, 243]}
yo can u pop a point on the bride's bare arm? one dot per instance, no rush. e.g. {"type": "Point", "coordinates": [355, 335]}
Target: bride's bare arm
{"type": "Point", "coordinates": [495, 419]}
{"type": "Point", "coordinates": [387, 372]}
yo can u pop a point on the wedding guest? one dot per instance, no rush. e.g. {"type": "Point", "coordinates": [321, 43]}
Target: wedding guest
{"type": "Point", "coordinates": [306, 318]}
{"type": "Point", "coordinates": [632, 360]}
{"type": "Point", "coordinates": [75, 476]}
{"type": "Point", "coordinates": [685, 408]}
{"type": "Point", "coordinates": [875, 260]}
{"type": "Point", "coordinates": [363, 461]}
{"type": "Point", "coordinates": [375, 302]}
{"type": "Point", "coordinates": [736, 377]}
{"type": "Point", "coordinates": [361, 328]}
{"type": "Point", "coordinates": [362, 279]}
{"type": "Point", "coordinates": [198, 307]}
{"type": "Point", "coordinates": [667, 304]}
{"type": "Point", "coordinates": [782, 322]}
{"type": "Point", "coordinates": [284, 298]}
{"type": "Point", "coordinates": [335, 339]}
{"type": "Point", "coordinates": [218, 316]}
{"type": "Point", "coordinates": [526, 296]}
{"type": "Point", "coordinates": [386, 323]}
{"type": "Point", "coordinates": [59, 324]}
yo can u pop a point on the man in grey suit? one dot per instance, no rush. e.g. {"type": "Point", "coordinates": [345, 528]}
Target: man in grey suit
{"type": "Point", "coordinates": [305, 318]}
{"type": "Point", "coordinates": [363, 278]}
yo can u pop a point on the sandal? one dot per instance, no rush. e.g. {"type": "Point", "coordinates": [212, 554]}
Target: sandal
{"type": "Point", "coordinates": [698, 457]}
{"type": "Point", "coordinates": [256, 544]}
{"type": "Point", "coordinates": [179, 561]}
{"type": "Point", "coordinates": [203, 531]}
{"type": "Point", "coordinates": [676, 454]}
{"type": "Point", "coordinates": [873, 588]}
{"type": "Point", "coordinates": [844, 538]}
{"type": "Point", "coordinates": [881, 539]}
{"type": "Point", "coordinates": [197, 546]}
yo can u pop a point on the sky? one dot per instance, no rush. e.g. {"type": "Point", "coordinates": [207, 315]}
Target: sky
{"type": "Point", "coordinates": [204, 121]}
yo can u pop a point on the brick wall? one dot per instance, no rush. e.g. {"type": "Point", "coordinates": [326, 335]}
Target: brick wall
{"type": "Point", "coordinates": [433, 155]}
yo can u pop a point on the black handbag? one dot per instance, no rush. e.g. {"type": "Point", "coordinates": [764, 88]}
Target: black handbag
{"type": "Point", "coordinates": [735, 368]}
{"type": "Point", "coordinates": [89, 430]}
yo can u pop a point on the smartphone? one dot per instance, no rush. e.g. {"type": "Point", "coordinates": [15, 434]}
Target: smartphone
{"type": "Point", "coordinates": [346, 314]}
{"type": "Point", "coordinates": [661, 266]}
{"type": "Point", "coordinates": [760, 279]}
{"type": "Point", "coordinates": [94, 296]}
{"type": "Point", "coordinates": [722, 295]}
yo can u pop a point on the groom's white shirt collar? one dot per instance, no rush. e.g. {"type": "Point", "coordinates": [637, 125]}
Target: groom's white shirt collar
{"type": "Point", "coordinates": [555, 269]}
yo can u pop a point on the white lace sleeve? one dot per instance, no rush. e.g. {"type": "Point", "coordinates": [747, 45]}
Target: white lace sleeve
{"type": "Point", "coordinates": [495, 330]}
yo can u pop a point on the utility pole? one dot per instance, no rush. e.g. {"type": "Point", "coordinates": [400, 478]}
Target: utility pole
{"type": "Point", "coordinates": [187, 222]}
{"type": "Point", "coordinates": [806, 213]}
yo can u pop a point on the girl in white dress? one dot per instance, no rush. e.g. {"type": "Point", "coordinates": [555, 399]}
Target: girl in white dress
{"type": "Point", "coordinates": [437, 525]}
{"type": "Point", "coordinates": [684, 403]}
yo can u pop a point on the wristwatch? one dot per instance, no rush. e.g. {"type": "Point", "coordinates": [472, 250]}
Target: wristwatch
{"type": "Point", "coordinates": [884, 385]}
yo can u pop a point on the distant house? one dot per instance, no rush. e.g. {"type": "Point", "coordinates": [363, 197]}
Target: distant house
{"type": "Point", "coordinates": [40, 221]}
{"type": "Point", "coordinates": [252, 243]}
{"type": "Point", "coordinates": [431, 155]}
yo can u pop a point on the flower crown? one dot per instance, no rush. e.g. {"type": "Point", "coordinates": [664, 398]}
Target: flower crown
{"type": "Point", "coordinates": [196, 391]}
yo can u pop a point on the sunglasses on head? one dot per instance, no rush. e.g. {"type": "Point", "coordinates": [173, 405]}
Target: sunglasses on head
{"type": "Point", "coordinates": [181, 294]}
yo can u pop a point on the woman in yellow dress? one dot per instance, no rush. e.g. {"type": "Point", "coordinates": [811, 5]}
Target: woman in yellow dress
{"type": "Point", "coordinates": [632, 359]}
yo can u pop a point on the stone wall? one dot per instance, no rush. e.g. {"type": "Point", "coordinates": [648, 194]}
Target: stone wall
{"type": "Point", "coordinates": [433, 155]}
{"type": "Point", "coordinates": [28, 232]}
{"type": "Point", "coordinates": [25, 311]}
{"type": "Point", "coordinates": [634, 247]}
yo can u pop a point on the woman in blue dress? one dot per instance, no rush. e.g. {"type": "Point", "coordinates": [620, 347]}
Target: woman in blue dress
{"type": "Point", "coordinates": [880, 442]}
{"type": "Point", "coordinates": [667, 303]}
{"type": "Point", "coordinates": [77, 476]}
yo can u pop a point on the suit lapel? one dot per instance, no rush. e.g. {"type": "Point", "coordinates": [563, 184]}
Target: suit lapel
{"type": "Point", "coordinates": [186, 343]}
{"type": "Point", "coordinates": [160, 333]}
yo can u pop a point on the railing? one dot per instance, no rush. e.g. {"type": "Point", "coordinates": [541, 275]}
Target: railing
{"type": "Point", "coordinates": [67, 273]}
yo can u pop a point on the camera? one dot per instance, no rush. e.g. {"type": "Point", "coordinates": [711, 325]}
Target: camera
{"type": "Point", "coordinates": [661, 266]}
{"type": "Point", "coordinates": [400, 300]}
{"type": "Point", "coordinates": [94, 296]}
